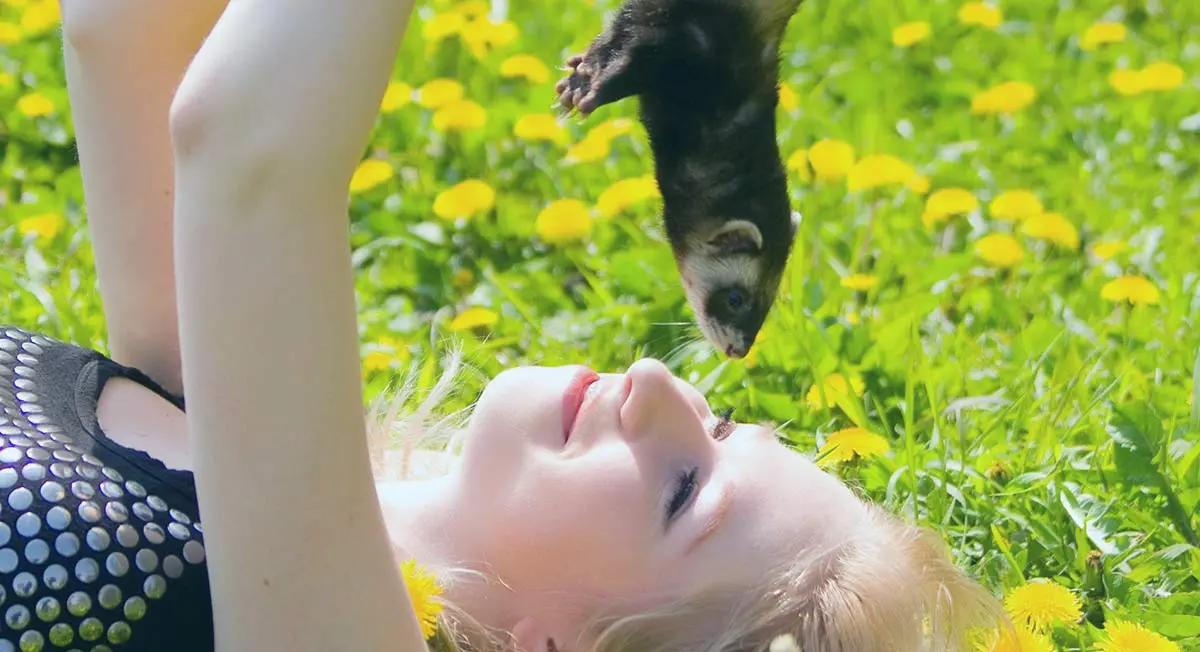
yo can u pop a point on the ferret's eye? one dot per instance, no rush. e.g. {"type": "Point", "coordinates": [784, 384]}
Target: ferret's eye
{"type": "Point", "coordinates": [736, 299]}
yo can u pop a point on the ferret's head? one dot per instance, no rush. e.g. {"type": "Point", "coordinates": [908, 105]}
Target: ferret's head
{"type": "Point", "coordinates": [731, 277]}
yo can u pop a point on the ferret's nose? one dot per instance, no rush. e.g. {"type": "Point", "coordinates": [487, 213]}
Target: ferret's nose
{"type": "Point", "coordinates": [735, 352]}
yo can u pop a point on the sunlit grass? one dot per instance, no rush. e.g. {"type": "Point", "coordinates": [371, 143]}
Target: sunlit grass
{"type": "Point", "coordinates": [1000, 211]}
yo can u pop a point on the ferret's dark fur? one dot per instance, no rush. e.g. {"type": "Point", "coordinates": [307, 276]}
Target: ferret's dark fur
{"type": "Point", "coordinates": [707, 75]}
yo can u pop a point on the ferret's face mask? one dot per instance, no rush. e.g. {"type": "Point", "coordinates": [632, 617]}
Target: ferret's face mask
{"type": "Point", "coordinates": [594, 487]}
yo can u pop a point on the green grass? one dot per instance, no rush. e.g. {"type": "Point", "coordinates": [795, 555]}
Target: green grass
{"type": "Point", "coordinates": [1045, 431]}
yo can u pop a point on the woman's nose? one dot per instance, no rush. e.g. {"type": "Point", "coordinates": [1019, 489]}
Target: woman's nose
{"type": "Point", "coordinates": [656, 405]}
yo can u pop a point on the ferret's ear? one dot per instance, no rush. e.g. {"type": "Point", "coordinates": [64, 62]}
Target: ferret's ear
{"type": "Point", "coordinates": [735, 237]}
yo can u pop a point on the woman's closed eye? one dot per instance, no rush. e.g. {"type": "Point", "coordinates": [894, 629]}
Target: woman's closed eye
{"type": "Point", "coordinates": [686, 484]}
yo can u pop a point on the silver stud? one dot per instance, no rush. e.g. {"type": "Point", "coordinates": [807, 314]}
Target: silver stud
{"type": "Point", "coordinates": [8, 475]}
{"type": "Point", "coordinates": [7, 646]}
{"type": "Point", "coordinates": [43, 340]}
{"type": "Point", "coordinates": [91, 629]}
{"type": "Point", "coordinates": [179, 531]}
{"type": "Point", "coordinates": [32, 641]}
{"type": "Point", "coordinates": [156, 503]}
{"type": "Point", "coordinates": [102, 648]}
{"type": "Point", "coordinates": [146, 560]}
{"type": "Point", "coordinates": [29, 524]}
{"type": "Point", "coordinates": [111, 489]}
{"type": "Point", "coordinates": [79, 603]}
{"type": "Point", "coordinates": [98, 539]}
{"type": "Point", "coordinates": [61, 471]}
{"type": "Point", "coordinates": [26, 359]}
{"type": "Point", "coordinates": [52, 429]}
{"type": "Point", "coordinates": [109, 596]}
{"type": "Point", "coordinates": [117, 564]}
{"type": "Point", "coordinates": [38, 454]}
{"type": "Point", "coordinates": [24, 585]}
{"type": "Point", "coordinates": [6, 345]}
{"type": "Point", "coordinates": [25, 384]}
{"type": "Point", "coordinates": [67, 544]}
{"type": "Point", "coordinates": [65, 456]}
{"type": "Point", "coordinates": [22, 441]}
{"type": "Point", "coordinates": [9, 431]}
{"type": "Point", "coordinates": [119, 632]}
{"type": "Point", "coordinates": [154, 533]}
{"type": "Point", "coordinates": [135, 608]}
{"type": "Point", "coordinates": [193, 552]}
{"type": "Point", "coordinates": [87, 570]}
{"type": "Point", "coordinates": [37, 552]}
{"type": "Point", "coordinates": [53, 492]}
{"type": "Point", "coordinates": [3, 594]}
{"type": "Point", "coordinates": [172, 567]}
{"type": "Point", "coordinates": [113, 474]}
{"type": "Point", "coordinates": [155, 587]}
{"type": "Point", "coordinates": [23, 371]}
{"type": "Point", "coordinates": [117, 512]}
{"type": "Point", "coordinates": [89, 512]}
{"type": "Point", "coordinates": [20, 499]}
{"type": "Point", "coordinates": [83, 490]}
{"type": "Point", "coordinates": [26, 397]}
{"type": "Point", "coordinates": [5, 534]}
{"type": "Point", "coordinates": [135, 489]}
{"type": "Point", "coordinates": [16, 334]}
{"type": "Point", "coordinates": [127, 535]}
{"type": "Point", "coordinates": [143, 511]}
{"type": "Point", "coordinates": [11, 455]}
{"type": "Point", "coordinates": [181, 517]}
{"type": "Point", "coordinates": [87, 472]}
{"type": "Point", "coordinates": [61, 635]}
{"type": "Point", "coordinates": [37, 419]}
{"type": "Point", "coordinates": [17, 617]}
{"type": "Point", "coordinates": [32, 348]}
{"type": "Point", "coordinates": [8, 560]}
{"type": "Point", "coordinates": [91, 459]}
{"type": "Point", "coordinates": [31, 408]}
{"type": "Point", "coordinates": [55, 577]}
{"type": "Point", "coordinates": [48, 609]}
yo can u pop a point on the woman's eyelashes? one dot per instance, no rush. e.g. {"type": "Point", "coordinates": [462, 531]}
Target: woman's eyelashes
{"type": "Point", "coordinates": [686, 484]}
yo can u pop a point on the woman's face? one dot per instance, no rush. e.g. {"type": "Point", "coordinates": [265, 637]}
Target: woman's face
{"type": "Point", "coordinates": [584, 488]}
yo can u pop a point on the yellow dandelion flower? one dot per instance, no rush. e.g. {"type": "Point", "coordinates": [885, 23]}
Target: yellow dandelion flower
{"type": "Point", "coordinates": [459, 115]}
{"type": "Point", "coordinates": [587, 150]}
{"type": "Point", "coordinates": [1006, 98]}
{"type": "Point", "coordinates": [910, 34]}
{"type": "Point", "coordinates": [370, 173]}
{"type": "Point", "coordinates": [383, 354]}
{"type": "Point", "coordinates": [397, 95]}
{"type": "Point", "coordinates": [831, 159]}
{"type": "Point", "coordinates": [1018, 639]}
{"type": "Point", "coordinates": [41, 16]}
{"type": "Point", "coordinates": [423, 592]}
{"type": "Point", "coordinates": [798, 162]}
{"type": "Point", "coordinates": [539, 126]}
{"type": "Point", "coordinates": [1126, 82]}
{"type": "Point", "coordinates": [442, 26]}
{"type": "Point", "coordinates": [563, 221]}
{"type": "Point", "coordinates": [918, 183]}
{"type": "Point", "coordinates": [481, 35]}
{"type": "Point", "coordinates": [860, 282]}
{"type": "Point", "coordinates": [376, 361]}
{"type": "Point", "coordinates": [626, 193]}
{"type": "Point", "coordinates": [979, 13]}
{"type": "Point", "coordinates": [834, 389]}
{"type": "Point", "coordinates": [947, 202]}
{"type": "Point", "coordinates": [613, 128]}
{"type": "Point", "coordinates": [9, 33]}
{"type": "Point", "coordinates": [1015, 205]}
{"type": "Point", "coordinates": [462, 278]}
{"type": "Point", "coordinates": [6, 80]}
{"type": "Point", "coordinates": [1108, 249]}
{"type": "Point", "coordinates": [474, 317]}
{"type": "Point", "coordinates": [35, 105]}
{"type": "Point", "coordinates": [999, 250]}
{"type": "Point", "coordinates": [464, 200]}
{"type": "Point", "coordinates": [1039, 604]}
{"type": "Point", "coordinates": [1053, 227]}
{"type": "Point", "coordinates": [1132, 288]}
{"type": "Point", "coordinates": [1124, 636]}
{"type": "Point", "coordinates": [1102, 33]}
{"type": "Point", "coordinates": [527, 66]}
{"type": "Point", "coordinates": [876, 170]}
{"type": "Point", "coordinates": [845, 445]}
{"type": "Point", "coordinates": [787, 98]}
{"type": "Point", "coordinates": [1161, 76]}
{"type": "Point", "coordinates": [46, 225]}
{"type": "Point", "coordinates": [437, 93]}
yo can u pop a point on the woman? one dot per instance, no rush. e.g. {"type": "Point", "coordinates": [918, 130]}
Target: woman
{"type": "Point", "coordinates": [587, 512]}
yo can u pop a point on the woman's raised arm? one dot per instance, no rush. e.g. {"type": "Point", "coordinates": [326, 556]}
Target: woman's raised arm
{"type": "Point", "coordinates": [268, 125]}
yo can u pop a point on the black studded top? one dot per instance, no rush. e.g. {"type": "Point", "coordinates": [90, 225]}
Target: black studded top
{"type": "Point", "coordinates": [101, 546]}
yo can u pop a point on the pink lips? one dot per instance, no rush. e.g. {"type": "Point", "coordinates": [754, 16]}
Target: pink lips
{"type": "Point", "coordinates": [573, 398]}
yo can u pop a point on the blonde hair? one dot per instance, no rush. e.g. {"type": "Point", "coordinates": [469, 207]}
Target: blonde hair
{"type": "Point", "coordinates": [891, 587]}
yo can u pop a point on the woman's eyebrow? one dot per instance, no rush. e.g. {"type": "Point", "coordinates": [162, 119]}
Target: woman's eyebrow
{"type": "Point", "coordinates": [718, 516]}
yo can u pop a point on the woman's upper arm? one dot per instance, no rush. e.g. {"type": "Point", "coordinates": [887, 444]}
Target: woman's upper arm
{"type": "Point", "coordinates": [298, 555]}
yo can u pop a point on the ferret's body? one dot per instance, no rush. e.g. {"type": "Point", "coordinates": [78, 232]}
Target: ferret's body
{"type": "Point", "coordinates": [706, 72]}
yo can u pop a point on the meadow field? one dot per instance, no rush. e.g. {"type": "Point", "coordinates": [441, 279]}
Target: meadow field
{"type": "Point", "coordinates": [988, 323]}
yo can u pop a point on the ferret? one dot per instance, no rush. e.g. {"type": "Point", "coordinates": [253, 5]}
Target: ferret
{"type": "Point", "coordinates": [706, 73]}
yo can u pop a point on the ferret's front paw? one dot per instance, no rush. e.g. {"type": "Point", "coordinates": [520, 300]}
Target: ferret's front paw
{"type": "Point", "coordinates": [575, 91]}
